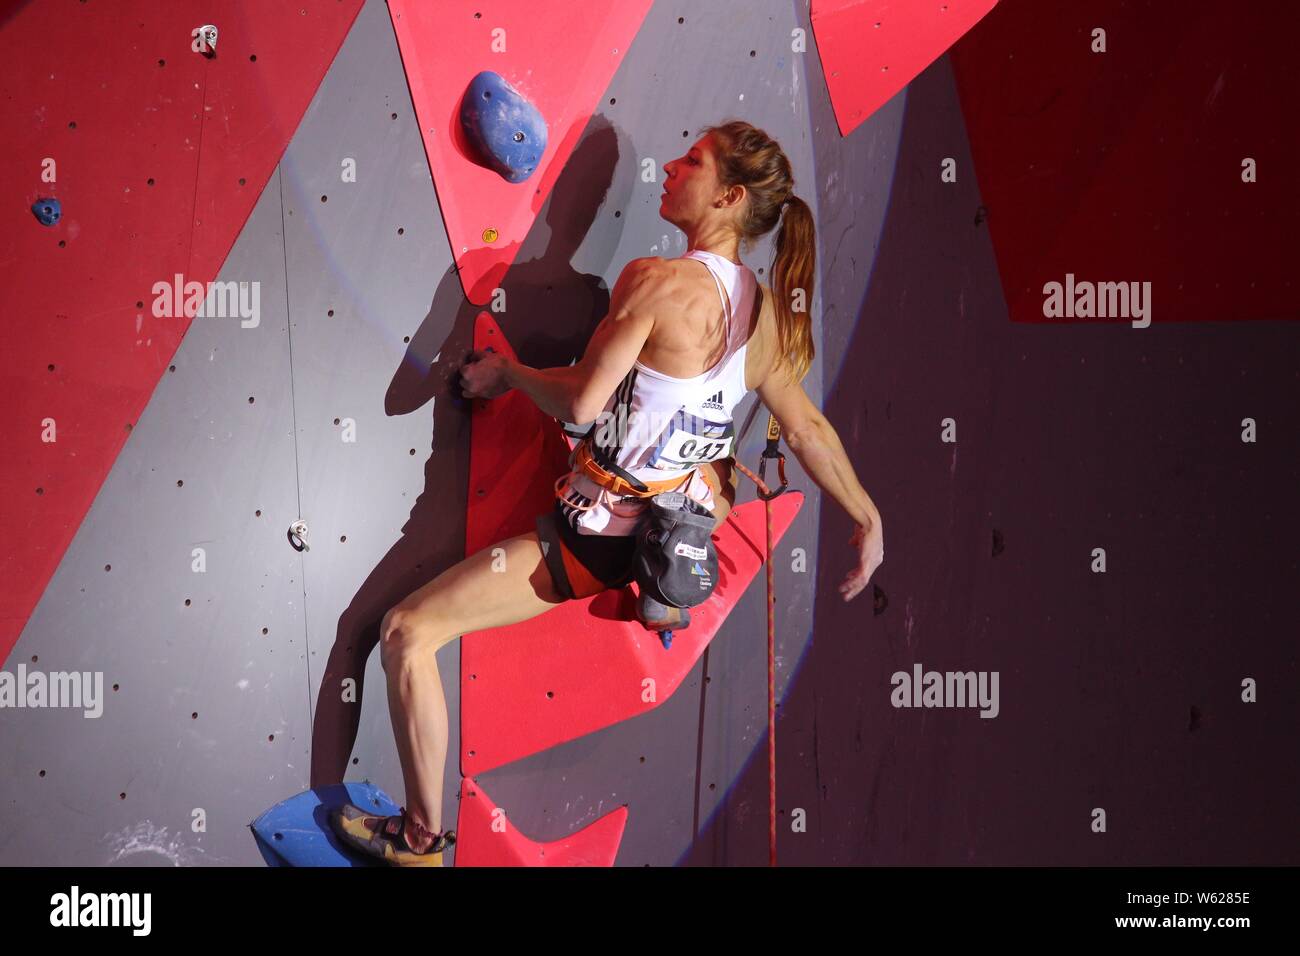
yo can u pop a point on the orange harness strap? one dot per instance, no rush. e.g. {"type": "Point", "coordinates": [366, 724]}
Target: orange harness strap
{"type": "Point", "coordinates": [611, 482]}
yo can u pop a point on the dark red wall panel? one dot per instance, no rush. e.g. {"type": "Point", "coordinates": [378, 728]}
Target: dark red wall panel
{"type": "Point", "coordinates": [1126, 165]}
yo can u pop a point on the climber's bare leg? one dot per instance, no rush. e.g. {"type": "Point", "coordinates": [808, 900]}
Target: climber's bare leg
{"type": "Point", "coordinates": [502, 584]}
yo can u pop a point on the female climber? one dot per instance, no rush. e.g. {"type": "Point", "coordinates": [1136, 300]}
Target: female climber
{"type": "Point", "coordinates": [685, 340]}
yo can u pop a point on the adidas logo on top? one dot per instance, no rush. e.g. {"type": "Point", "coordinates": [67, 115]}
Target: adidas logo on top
{"type": "Point", "coordinates": [714, 401]}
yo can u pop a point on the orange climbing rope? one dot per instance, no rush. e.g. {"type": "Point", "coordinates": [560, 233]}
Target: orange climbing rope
{"type": "Point", "coordinates": [773, 450]}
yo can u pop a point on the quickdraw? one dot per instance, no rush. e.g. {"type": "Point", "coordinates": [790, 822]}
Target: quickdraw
{"type": "Point", "coordinates": [773, 450]}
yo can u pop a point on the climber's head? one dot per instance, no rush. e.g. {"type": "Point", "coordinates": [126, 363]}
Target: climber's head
{"type": "Point", "coordinates": [736, 180]}
{"type": "Point", "coordinates": [694, 198]}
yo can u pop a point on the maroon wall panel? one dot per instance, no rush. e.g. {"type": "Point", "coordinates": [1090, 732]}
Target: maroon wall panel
{"type": "Point", "coordinates": [1127, 165]}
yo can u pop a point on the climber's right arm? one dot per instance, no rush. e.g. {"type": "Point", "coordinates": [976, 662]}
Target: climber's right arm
{"type": "Point", "coordinates": [577, 393]}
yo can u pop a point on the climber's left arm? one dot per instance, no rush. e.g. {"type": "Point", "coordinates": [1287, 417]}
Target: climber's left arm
{"type": "Point", "coordinates": [577, 393]}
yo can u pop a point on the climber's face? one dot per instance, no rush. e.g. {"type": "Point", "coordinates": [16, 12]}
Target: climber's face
{"type": "Point", "coordinates": [692, 193]}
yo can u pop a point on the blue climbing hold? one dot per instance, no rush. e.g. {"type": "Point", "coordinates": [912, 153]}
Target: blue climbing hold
{"type": "Point", "coordinates": [505, 128]}
{"type": "Point", "coordinates": [47, 211]}
{"type": "Point", "coordinates": [666, 638]}
{"type": "Point", "coordinates": [296, 832]}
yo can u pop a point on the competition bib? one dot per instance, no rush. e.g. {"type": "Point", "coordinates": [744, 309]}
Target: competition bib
{"type": "Point", "coordinates": [689, 440]}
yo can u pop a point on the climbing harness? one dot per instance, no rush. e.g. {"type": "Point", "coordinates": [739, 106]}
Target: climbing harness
{"type": "Point", "coordinates": [610, 477]}
{"type": "Point", "coordinates": [773, 450]}
{"type": "Point", "coordinates": [675, 563]}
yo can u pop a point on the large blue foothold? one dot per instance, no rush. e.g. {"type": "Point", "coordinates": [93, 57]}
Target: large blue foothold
{"type": "Point", "coordinates": [47, 211]}
{"type": "Point", "coordinates": [297, 832]}
{"type": "Point", "coordinates": [507, 130]}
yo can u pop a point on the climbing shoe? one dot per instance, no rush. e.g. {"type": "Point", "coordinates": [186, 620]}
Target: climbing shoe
{"type": "Point", "coordinates": [384, 838]}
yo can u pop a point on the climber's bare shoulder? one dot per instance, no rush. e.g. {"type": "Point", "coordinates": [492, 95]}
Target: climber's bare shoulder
{"type": "Point", "coordinates": [689, 325]}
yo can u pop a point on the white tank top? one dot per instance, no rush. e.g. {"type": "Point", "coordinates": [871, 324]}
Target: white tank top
{"type": "Point", "coordinates": [658, 427]}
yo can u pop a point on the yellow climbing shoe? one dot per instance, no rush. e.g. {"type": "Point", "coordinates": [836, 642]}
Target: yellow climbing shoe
{"type": "Point", "coordinates": [384, 838]}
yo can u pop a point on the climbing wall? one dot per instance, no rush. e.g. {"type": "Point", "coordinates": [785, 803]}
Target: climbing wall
{"type": "Point", "coordinates": [334, 410]}
{"type": "Point", "coordinates": [224, 636]}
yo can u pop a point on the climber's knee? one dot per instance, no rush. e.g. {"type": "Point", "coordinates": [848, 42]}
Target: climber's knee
{"type": "Point", "coordinates": [404, 637]}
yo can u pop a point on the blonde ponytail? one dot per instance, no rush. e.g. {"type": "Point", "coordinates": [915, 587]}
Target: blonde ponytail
{"type": "Point", "coordinates": [747, 156]}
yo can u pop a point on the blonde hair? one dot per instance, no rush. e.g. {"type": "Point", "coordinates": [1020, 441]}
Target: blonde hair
{"type": "Point", "coordinates": [747, 156]}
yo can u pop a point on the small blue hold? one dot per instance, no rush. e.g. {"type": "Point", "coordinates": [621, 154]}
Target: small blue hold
{"type": "Point", "coordinates": [47, 211]}
{"type": "Point", "coordinates": [507, 130]}
{"type": "Point", "coordinates": [667, 638]}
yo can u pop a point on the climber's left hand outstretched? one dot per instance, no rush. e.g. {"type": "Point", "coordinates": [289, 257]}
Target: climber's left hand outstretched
{"type": "Point", "coordinates": [815, 443]}
{"type": "Point", "coordinates": [870, 545]}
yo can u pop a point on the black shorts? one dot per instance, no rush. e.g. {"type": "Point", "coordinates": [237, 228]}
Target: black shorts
{"type": "Point", "coordinates": [584, 564]}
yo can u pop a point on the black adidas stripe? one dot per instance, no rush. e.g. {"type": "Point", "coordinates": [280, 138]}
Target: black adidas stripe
{"type": "Point", "coordinates": [622, 397]}
{"type": "Point", "coordinates": [573, 497]}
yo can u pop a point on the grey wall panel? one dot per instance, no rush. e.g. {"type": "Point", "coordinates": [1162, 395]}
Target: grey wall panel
{"type": "Point", "coordinates": [225, 643]}
{"type": "Point", "coordinates": [382, 453]}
